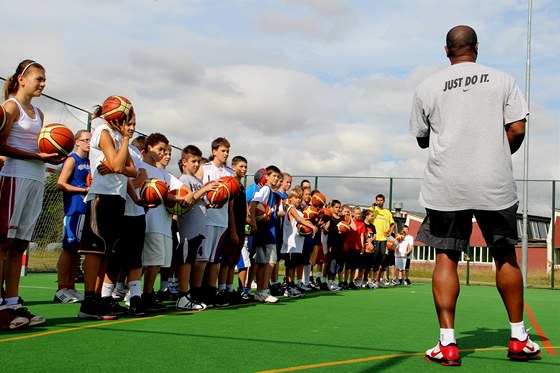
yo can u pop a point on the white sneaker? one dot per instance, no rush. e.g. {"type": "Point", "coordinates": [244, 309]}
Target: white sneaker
{"type": "Point", "coordinates": [186, 304]}
{"type": "Point", "coordinates": [119, 293]}
{"type": "Point", "coordinates": [64, 296]}
{"type": "Point", "coordinates": [334, 287]}
{"type": "Point", "coordinates": [293, 293]}
{"type": "Point", "coordinates": [76, 294]}
{"type": "Point", "coordinates": [264, 296]}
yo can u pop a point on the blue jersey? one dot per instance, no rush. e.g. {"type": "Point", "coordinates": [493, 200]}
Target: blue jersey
{"type": "Point", "coordinates": [266, 233]}
{"type": "Point", "coordinates": [74, 202]}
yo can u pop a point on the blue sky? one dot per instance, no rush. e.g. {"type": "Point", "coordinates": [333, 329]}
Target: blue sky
{"type": "Point", "coordinates": [316, 87]}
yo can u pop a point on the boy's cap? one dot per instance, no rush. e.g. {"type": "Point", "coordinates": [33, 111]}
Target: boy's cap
{"type": "Point", "coordinates": [260, 177]}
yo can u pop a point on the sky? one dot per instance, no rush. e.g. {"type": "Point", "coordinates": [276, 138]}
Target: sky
{"type": "Point", "coordinates": [315, 87]}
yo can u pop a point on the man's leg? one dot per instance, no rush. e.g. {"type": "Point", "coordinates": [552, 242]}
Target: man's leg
{"type": "Point", "coordinates": [509, 281]}
{"type": "Point", "coordinates": [445, 287]}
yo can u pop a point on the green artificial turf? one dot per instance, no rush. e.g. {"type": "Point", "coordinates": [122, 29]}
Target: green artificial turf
{"type": "Point", "coordinates": [350, 331]}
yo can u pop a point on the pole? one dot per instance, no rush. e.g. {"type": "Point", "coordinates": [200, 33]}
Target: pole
{"type": "Point", "coordinates": [524, 237]}
{"type": "Point", "coordinates": [553, 235]}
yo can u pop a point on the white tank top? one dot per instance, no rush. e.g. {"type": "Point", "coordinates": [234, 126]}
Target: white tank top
{"type": "Point", "coordinates": [23, 136]}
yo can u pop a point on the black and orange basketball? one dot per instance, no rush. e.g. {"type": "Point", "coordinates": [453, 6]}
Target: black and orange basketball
{"type": "Point", "coordinates": [218, 196]}
{"type": "Point", "coordinates": [55, 138]}
{"type": "Point", "coordinates": [318, 200]}
{"type": "Point", "coordinates": [117, 109]}
{"type": "Point", "coordinates": [174, 207]}
{"type": "Point", "coordinates": [310, 212]}
{"type": "Point", "coordinates": [303, 230]}
{"type": "Point", "coordinates": [343, 227]}
{"type": "Point", "coordinates": [153, 191]}
{"type": "Point", "coordinates": [232, 184]}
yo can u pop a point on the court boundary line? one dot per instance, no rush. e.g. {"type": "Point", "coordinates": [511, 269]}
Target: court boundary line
{"type": "Point", "coordinates": [544, 339]}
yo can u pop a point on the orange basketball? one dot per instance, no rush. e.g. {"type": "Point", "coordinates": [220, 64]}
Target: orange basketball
{"type": "Point", "coordinates": [369, 248]}
{"type": "Point", "coordinates": [343, 227]}
{"type": "Point", "coordinates": [262, 212]}
{"type": "Point", "coordinates": [3, 118]}
{"type": "Point", "coordinates": [348, 219]}
{"type": "Point", "coordinates": [232, 185]}
{"type": "Point", "coordinates": [153, 191]}
{"type": "Point", "coordinates": [303, 230]}
{"type": "Point", "coordinates": [391, 242]}
{"type": "Point", "coordinates": [55, 138]}
{"type": "Point", "coordinates": [318, 200]}
{"type": "Point", "coordinates": [89, 179]}
{"type": "Point", "coordinates": [310, 212]}
{"type": "Point", "coordinates": [327, 212]}
{"type": "Point", "coordinates": [174, 207]}
{"type": "Point", "coordinates": [117, 109]}
{"type": "Point", "coordinates": [218, 196]}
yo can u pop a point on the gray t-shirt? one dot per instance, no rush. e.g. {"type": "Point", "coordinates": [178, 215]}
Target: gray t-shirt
{"type": "Point", "coordinates": [191, 223]}
{"type": "Point", "coordinates": [464, 109]}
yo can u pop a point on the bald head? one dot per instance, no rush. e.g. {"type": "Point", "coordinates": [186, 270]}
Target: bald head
{"type": "Point", "coordinates": [461, 40]}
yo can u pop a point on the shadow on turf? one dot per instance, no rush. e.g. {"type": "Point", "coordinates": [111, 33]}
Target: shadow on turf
{"type": "Point", "coordinates": [485, 338]}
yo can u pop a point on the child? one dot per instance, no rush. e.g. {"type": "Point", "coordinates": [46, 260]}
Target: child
{"type": "Point", "coordinates": [191, 227]}
{"type": "Point", "coordinates": [334, 241]}
{"type": "Point", "coordinates": [72, 183]}
{"type": "Point", "coordinates": [354, 243]}
{"type": "Point", "coordinates": [402, 252]}
{"type": "Point", "coordinates": [292, 247]}
{"type": "Point", "coordinates": [369, 249]}
{"type": "Point", "coordinates": [111, 165]}
{"type": "Point", "coordinates": [284, 184]}
{"type": "Point", "coordinates": [264, 236]}
{"type": "Point", "coordinates": [217, 219]}
{"type": "Point", "coordinates": [21, 184]}
{"type": "Point", "coordinates": [235, 237]}
{"type": "Point", "coordinates": [158, 244]}
{"type": "Point", "coordinates": [344, 270]}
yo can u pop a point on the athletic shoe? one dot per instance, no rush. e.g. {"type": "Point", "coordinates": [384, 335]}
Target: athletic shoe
{"type": "Point", "coordinates": [185, 303]}
{"type": "Point", "coordinates": [222, 298]}
{"type": "Point", "coordinates": [174, 290]}
{"type": "Point", "coordinates": [136, 306]}
{"type": "Point", "coordinates": [387, 282]}
{"type": "Point", "coordinates": [276, 290]}
{"type": "Point", "coordinates": [64, 296]}
{"type": "Point", "coordinates": [293, 293]}
{"type": "Point", "coordinates": [408, 281]}
{"type": "Point", "coordinates": [444, 355]}
{"type": "Point", "coordinates": [311, 280]}
{"type": "Point", "coordinates": [342, 285]}
{"type": "Point", "coordinates": [404, 283]}
{"type": "Point", "coordinates": [9, 320]}
{"type": "Point", "coordinates": [522, 351]}
{"type": "Point", "coordinates": [24, 312]}
{"type": "Point", "coordinates": [382, 284]}
{"type": "Point", "coordinates": [264, 296]}
{"type": "Point", "coordinates": [91, 308]}
{"type": "Point", "coordinates": [245, 294]}
{"type": "Point", "coordinates": [302, 288]}
{"type": "Point", "coordinates": [352, 285]}
{"type": "Point", "coordinates": [370, 285]}
{"type": "Point", "coordinates": [151, 304]}
{"type": "Point", "coordinates": [118, 294]}
{"type": "Point", "coordinates": [76, 294]}
{"type": "Point", "coordinates": [164, 296]}
{"type": "Point", "coordinates": [112, 307]}
{"type": "Point", "coordinates": [324, 286]}
{"type": "Point", "coordinates": [394, 282]}
{"type": "Point", "coordinates": [334, 287]}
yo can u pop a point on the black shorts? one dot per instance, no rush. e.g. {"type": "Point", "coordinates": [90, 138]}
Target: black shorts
{"type": "Point", "coordinates": [103, 224]}
{"type": "Point", "coordinates": [352, 259]}
{"type": "Point", "coordinates": [451, 230]}
{"type": "Point", "coordinates": [388, 259]}
{"type": "Point", "coordinates": [379, 254]}
{"type": "Point", "coordinates": [188, 250]}
{"type": "Point", "coordinates": [367, 261]}
{"type": "Point", "coordinates": [407, 265]}
{"type": "Point", "coordinates": [128, 251]}
{"type": "Point", "coordinates": [292, 260]}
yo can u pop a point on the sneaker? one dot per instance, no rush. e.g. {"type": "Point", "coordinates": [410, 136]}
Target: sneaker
{"type": "Point", "coordinates": [324, 286]}
{"type": "Point", "coordinates": [386, 281]}
{"type": "Point", "coordinates": [276, 290]}
{"type": "Point", "coordinates": [222, 298]}
{"type": "Point", "coordinates": [522, 351]}
{"type": "Point", "coordinates": [24, 312]}
{"type": "Point", "coordinates": [382, 284]}
{"type": "Point", "coordinates": [394, 282]}
{"type": "Point", "coordinates": [174, 290]}
{"type": "Point", "coordinates": [136, 306]}
{"type": "Point", "coordinates": [185, 303]}
{"type": "Point", "coordinates": [76, 294]}
{"type": "Point", "coordinates": [311, 280]}
{"type": "Point", "coordinates": [64, 296]}
{"type": "Point", "coordinates": [404, 283]}
{"type": "Point", "coordinates": [245, 295]}
{"type": "Point", "coordinates": [164, 296]}
{"type": "Point", "coordinates": [302, 288]}
{"type": "Point", "coordinates": [91, 308]}
{"type": "Point", "coordinates": [119, 293]}
{"type": "Point", "coordinates": [342, 286]}
{"type": "Point", "coordinates": [370, 285]}
{"type": "Point", "coordinates": [264, 296]}
{"type": "Point", "coordinates": [151, 304]}
{"type": "Point", "coordinates": [407, 281]}
{"type": "Point", "coordinates": [334, 287]}
{"type": "Point", "coordinates": [445, 355]}
{"type": "Point", "coordinates": [352, 285]}
{"type": "Point", "coordinates": [112, 307]}
{"type": "Point", "coordinates": [9, 320]}
{"type": "Point", "coordinates": [292, 292]}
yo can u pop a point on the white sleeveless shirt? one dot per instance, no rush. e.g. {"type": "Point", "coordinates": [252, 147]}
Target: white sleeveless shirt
{"type": "Point", "coordinates": [23, 136]}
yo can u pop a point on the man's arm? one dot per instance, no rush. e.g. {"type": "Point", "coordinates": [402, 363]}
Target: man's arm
{"type": "Point", "coordinates": [515, 133]}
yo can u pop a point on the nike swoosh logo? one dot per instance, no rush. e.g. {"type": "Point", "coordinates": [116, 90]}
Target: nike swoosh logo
{"type": "Point", "coordinates": [466, 90]}
{"type": "Point", "coordinates": [532, 348]}
{"type": "Point", "coordinates": [434, 353]}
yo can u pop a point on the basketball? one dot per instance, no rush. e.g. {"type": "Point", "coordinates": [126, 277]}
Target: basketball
{"type": "Point", "coordinates": [55, 138]}
{"type": "Point", "coordinates": [326, 212]}
{"type": "Point", "coordinates": [318, 200]}
{"type": "Point", "coordinates": [3, 118]}
{"type": "Point", "coordinates": [153, 191]}
{"type": "Point", "coordinates": [117, 109]}
{"type": "Point", "coordinates": [303, 230]}
{"type": "Point", "coordinates": [369, 248]}
{"type": "Point", "coordinates": [348, 219]}
{"type": "Point", "coordinates": [343, 227]}
{"type": "Point", "coordinates": [89, 179]}
{"type": "Point", "coordinates": [262, 212]}
{"type": "Point", "coordinates": [391, 243]}
{"type": "Point", "coordinates": [174, 207]}
{"type": "Point", "coordinates": [310, 212]}
{"type": "Point", "coordinates": [260, 177]}
{"type": "Point", "coordinates": [399, 237]}
{"type": "Point", "coordinates": [218, 196]}
{"type": "Point", "coordinates": [232, 185]}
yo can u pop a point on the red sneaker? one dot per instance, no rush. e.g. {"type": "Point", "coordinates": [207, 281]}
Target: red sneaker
{"type": "Point", "coordinates": [522, 351]}
{"type": "Point", "coordinates": [445, 355]}
{"type": "Point", "coordinates": [10, 320]}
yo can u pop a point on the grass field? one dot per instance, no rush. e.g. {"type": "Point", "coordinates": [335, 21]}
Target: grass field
{"type": "Point", "coordinates": [351, 331]}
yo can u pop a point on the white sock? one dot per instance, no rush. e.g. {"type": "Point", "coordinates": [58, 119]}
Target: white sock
{"type": "Point", "coordinates": [135, 288]}
{"type": "Point", "coordinates": [229, 288]}
{"type": "Point", "coordinates": [306, 272]}
{"type": "Point", "coordinates": [300, 282]}
{"type": "Point", "coordinates": [107, 290]}
{"type": "Point", "coordinates": [319, 274]}
{"type": "Point", "coordinates": [447, 336]}
{"type": "Point", "coordinates": [163, 285]}
{"type": "Point", "coordinates": [12, 301]}
{"type": "Point", "coordinates": [120, 286]}
{"type": "Point", "coordinates": [221, 287]}
{"type": "Point", "coordinates": [518, 330]}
